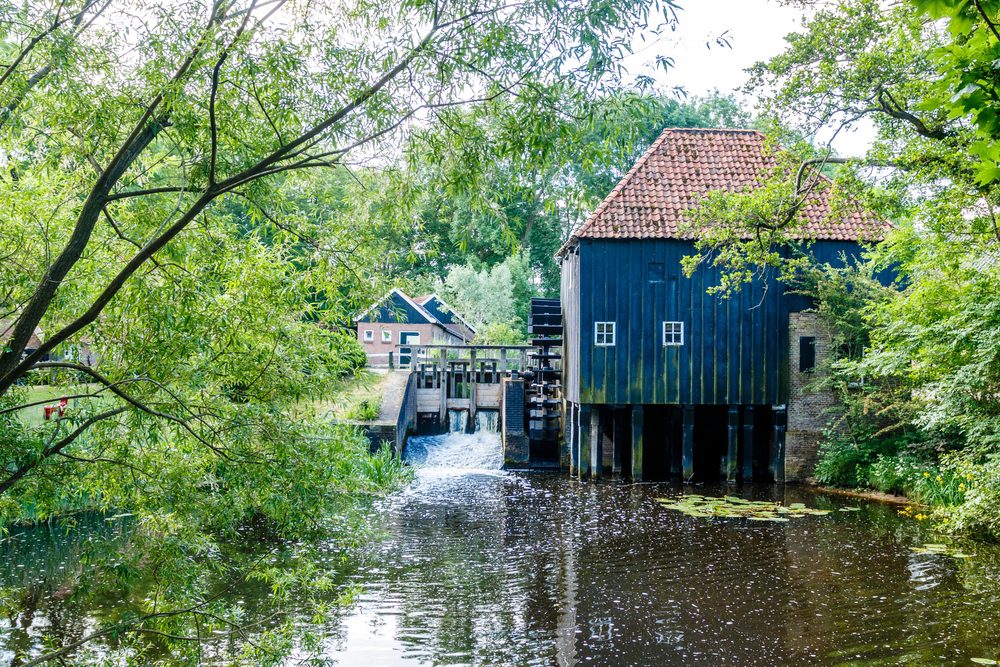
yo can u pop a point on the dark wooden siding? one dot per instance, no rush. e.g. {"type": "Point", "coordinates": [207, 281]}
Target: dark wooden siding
{"type": "Point", "coordinates": [735, 349]}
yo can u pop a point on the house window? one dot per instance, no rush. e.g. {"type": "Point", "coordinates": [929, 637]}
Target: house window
{"type": "Point", "coordinates": [604, 334]}
{"type": "Point", "coordinates": [386, 336]}
{"type": "Point", "coordinates": [369, 335]}
{"type": "Point", "coordinates": [673, 333]}
{"type": "Point", "coordinates": [807, 353]}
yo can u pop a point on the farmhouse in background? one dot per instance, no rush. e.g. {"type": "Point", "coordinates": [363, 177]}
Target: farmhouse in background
{"type": "Point", "coordinates": [663, 379]}
{"type": "Point", "coordinates": [398, 319]}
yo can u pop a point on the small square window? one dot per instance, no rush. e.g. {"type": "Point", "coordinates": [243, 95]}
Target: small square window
{"type": "Point", "coordinates": [673, 333]}
{"type": "Point", "coordinates": [369, 335]}
{"type": "Point", "coordinates": [604, 334]}
{"type": "Point", "coordinates": [386, 336]}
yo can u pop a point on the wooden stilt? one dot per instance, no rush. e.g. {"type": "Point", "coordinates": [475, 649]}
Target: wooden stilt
{"type": "Point", "coordinates": [637, 420]}
{"type": "Point", "coordinates": [596, 443]}
{"type": "Point", "coordinates": [687, 440]}
{"type": "Point", "coordinates": [571, 435]}
{"type": "Point", "coordinates": [747, 443]}
{"type": "Point", "coordinates": [733, 437]}
{"type": "Point", "coordinates": [473, 384]}
{"type": "Point", "coordinates": [583, 451]}
{"type": "Point", "coordinates": [618, 441]}
{"type": "Point", "coordinates": [673, 443]}
{"type": "Point", "coordinates": [443, 386]}
{"type": "Point", "coordinates": [778, 445]}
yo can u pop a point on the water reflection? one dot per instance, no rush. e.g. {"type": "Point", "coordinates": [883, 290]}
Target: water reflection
{"type": "Point", "coordinates": [536, 569]}
{"type": "Point", "coordinates": [480, 566]}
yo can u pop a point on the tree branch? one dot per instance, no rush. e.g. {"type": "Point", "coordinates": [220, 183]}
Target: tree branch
{"type": "Point", "coordinates": [56, 447]}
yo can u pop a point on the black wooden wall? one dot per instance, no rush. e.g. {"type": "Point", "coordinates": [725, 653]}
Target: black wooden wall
{"type": "Point", "coordinates": [735, 349]}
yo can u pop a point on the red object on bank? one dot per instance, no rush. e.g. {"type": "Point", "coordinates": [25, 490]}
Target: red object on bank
{"type": "Point", "coordinates": [59, 408]}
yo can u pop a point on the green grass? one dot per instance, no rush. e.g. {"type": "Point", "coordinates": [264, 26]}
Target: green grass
{"type": "Point", "coordinates": [358, 398]}
{"type": "Point", "coordinates": [35, 415]}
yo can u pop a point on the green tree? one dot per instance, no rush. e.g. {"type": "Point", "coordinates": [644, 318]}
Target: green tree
{"type": "Point", "coordinates": [924, 417]}
{"type": "Point", "coordinates": [180, 182]}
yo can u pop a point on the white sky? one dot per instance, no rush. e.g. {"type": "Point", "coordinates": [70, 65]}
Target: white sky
{"type": "Point", "coordinates": [756, 31]}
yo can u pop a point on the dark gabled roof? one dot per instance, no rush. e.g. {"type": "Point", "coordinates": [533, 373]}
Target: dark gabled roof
{"type": "Point", "coordinates": [429, 308]}
{"type": "Point", "coordinates": [444, 313]}
{"type": "Point", "coordinates": [682, 166]}
{"type": "Point", "coordinates": [404, 310]}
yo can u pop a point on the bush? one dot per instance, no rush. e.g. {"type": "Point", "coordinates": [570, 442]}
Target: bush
{"type": "Point", "coordinates": [364, 411]}
{"type": "Point", "coordinates": [845, 460]}
{"type": "Point", "coordinates": [385, 469]}
{"type": "Point", "coordinates": [978, 514]}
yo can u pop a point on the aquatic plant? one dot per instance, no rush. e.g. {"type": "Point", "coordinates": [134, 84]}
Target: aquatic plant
{"type": "Point", "coordinates": [732, 507]}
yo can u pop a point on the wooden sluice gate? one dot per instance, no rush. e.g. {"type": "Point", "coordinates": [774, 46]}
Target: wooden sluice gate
{"type": "Point", "coordinates": [467, 378]}
{"type": "Point", "coordinates": [519, 384]}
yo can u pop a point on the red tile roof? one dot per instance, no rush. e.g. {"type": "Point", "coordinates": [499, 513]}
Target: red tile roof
{"type": "Point", "coordinates": [683, 165]}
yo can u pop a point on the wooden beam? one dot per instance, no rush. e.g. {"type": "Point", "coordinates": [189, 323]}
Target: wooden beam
{"type": "Point", "coordinates": [673, 443]}
{"type": "Point", "coordinates": [570, 435]}
{"type": "Point", "coordinates": [443, 386]}
{"type": "Point", "coordinates": [733, 438]}
{"type": "Point", "coordinates": [747, 443]}
{"type": "Point", "coordinates": [596, 443]}
{"type": "Point", "coordinates": [778, 445]}
{"type": "Point", "coordinates": [473, 376]}
{"type": "Point", "coordinates": [583, 441]}
{"type": "Point", "coordinates": [687, 439]}
{"type": "Point", "coordinates": [637, 421]}
{"type": "Point", "coordinates": [618, 437]}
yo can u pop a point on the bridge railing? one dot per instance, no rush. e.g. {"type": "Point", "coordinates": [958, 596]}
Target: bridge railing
{"type": "Point", "coordinates": [482, 359]}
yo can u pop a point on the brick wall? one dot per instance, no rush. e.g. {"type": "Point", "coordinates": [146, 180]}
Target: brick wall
{"type": "Point", "coordinates": [515, 440]}
{"type": "Point", "coordinates": [808, 409]}
{"type": "Point", "coordinates": [378, 351]}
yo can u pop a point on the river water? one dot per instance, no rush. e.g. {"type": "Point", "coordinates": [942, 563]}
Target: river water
{"type": "Point", "coordinates": [484, 567]}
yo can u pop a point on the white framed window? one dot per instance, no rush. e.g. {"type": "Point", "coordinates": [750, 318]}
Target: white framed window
{"type": "Point", "coordinates": [604, 334]}
{"type": "Point", "coordinates": [369, 335]}
{"type": "Point", "coordinates": [673, 333]}
{"type": "Point", "coordinates": [386, 336]}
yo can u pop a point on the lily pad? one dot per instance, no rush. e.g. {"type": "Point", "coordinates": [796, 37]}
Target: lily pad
{"type": "Point", "coordinates": [732, 507]}
{"type": "Point", "coordinates": [985, 661]}
{"type": "Point", "coordinates": [941, 550]}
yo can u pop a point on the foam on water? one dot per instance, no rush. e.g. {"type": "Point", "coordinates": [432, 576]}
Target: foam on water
{"type": "Point", "coordinates": [460, 452]}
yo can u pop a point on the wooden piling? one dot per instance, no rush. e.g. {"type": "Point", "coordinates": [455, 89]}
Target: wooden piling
{"type": "Point", "coordinates": [733, 438]}
{"type": "Point", "coordinates": [618, 437]}
{"type": "Point", "coordinates": [570, 435]}
{"type": "Point", "coordinates": [778, 445]}
{"type": "Point", "coordinates": [747, 443]}
{"type": "Point", "coordinates": [687, 440]}
{"type": "Point", "coordinates": [583, 441]}
{"type": "Point", "coordinates": [637, 419]}
{"type": "Point", "coordinates": [596, 443]}
{"type": "Point", "coordinates": [473, 381]}
{"type": "Point", "coordinates": [443, 377]}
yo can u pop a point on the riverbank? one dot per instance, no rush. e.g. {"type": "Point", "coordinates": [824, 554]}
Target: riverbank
{"type": "Point", "coordinates": [867, 494]}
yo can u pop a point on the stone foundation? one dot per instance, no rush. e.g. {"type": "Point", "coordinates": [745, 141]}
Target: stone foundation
{"type": "Point", "coordinates": [809, 411]}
